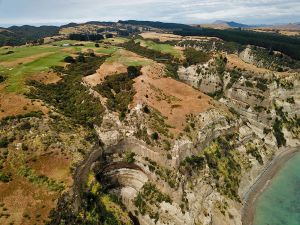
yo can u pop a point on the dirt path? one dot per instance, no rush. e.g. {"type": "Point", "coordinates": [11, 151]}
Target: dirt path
{"type": "Point", "coordinates": [263, 181]}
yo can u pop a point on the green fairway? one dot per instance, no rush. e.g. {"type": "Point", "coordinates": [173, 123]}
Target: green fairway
{"type": "Point", "coordinates": [24, 51]}
{"type": "Point", "coordinates": [127, 60]}
{"type": "Point", "coordinates": [29, 60]}
{"type": "Point", "coordinates": [62, 42]}
{"type": "Point", "coordinates": [117, 40]}
{"type": "Point", "coordinates": [25, 61]}
{"type": "Point", "coordinates": [87, 45]}
{"type": "Point", "coordinates": [164, 48]}
{"type": "Point", "coordinates": [106, 50]}
{"type": "Point", "coordinates": [16, 76]}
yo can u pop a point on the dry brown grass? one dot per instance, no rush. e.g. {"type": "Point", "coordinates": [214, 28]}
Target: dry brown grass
{"type": "Point", "coordinates": [105, 70]}
{"type": "Point", "coordinates": [174, 99]}
{"type": "Point", "coordinates": [22, 198]}
{"type": "Point", "coordinates": [83, 28]}
{"type": "Point", "coordinates": [15, 104]}
{"type": "Point", "coordinates": [161, 36]}
{"type": "Point", "coordinates": [171, 37]}
{"type": "Point", "coordinates": [235, 62]}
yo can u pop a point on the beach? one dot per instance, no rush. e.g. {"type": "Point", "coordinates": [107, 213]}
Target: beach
{"type": "Point", "coordinates": [263, 181]}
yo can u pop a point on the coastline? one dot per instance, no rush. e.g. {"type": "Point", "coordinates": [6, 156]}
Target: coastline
{"type": "Point", "coordinates": [263, 181]}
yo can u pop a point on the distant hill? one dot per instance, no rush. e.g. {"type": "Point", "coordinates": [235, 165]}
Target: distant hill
{"type": "Point", "coordinates": [159, 25]}
{"type": "Point", "coordinates": [288, 26]}
{"type": "Point", "coordinates": [18, 35]}
{"type": "Point", "coordinates": [232, 24]}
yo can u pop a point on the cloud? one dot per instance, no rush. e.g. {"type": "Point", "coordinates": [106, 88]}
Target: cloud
{"type": "Point", "coordinates": [184, 11]}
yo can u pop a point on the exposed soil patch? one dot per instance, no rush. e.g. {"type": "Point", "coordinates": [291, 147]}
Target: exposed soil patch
{"type": "Point", "coordinates": [106, 69]}
{"type": "Point", "coordinates": [46, 78]}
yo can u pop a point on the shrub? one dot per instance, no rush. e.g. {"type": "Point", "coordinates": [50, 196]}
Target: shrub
{"type": "Point", "coordinates": [119, 90]}
{"type": "Point", "coordinates": [25, 126]}
{"type": "Point", "coordinates": [5, 178]}
{"type": "Point", "coordinates": [194, 56]}
{"type": "Point", "coordinates": [2, 78]}
{"type": "Point", "coordinates": [291, 100]}
{"type": "Point", "coordinates": [154, 136]}
{"type": "Point", "coordinates": [69, 59]}
{"type": "Point", "coordinates": [69, 96]}
{"type": "Point", "coordinates": [221, 65]}
{"type": "Point", "coordinates": [4, 142]}
{"type": "Point", "coordinates": [252, 150]}
{"type": "Point", "coordinates": [234, 76]}
{"type": "Point", "coordinates": [277, 128]}
{"type": "Point", "coordinates": [129, 157]}
{"type": "Point", "coordinates": [194, 162]}
{"type": "Point", "coordinates": [261, 86]}
{"type": "Point", "coordinates": [146, 109]}
{"type": "Point", "coordinates": [134, 71]}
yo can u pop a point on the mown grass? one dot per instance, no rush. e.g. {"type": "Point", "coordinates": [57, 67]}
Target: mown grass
{"type": "Point", "coordinates": [17, 75]}
{"type": "Point", "coordinates": [117, 40]}
{"type": "Point", "coordinates": [88, 45]}
{"type": "Point", "coordinates": [164, 48]}
{"type": "Point", "coordinates": [25, 51]}
{"type": "Point", "coordinates": [127, 61]}
{"type": "Point", "coordinates": [108, 50]}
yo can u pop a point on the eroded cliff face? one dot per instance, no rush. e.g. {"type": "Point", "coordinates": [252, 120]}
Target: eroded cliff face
{"type": "Point", "coordinates": [160, 189]}
{"type": "Point", "coordinates": [204, 174]}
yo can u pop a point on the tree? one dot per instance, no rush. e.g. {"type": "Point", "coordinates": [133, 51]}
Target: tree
{"type": "Point", "coordinates": [134, 71]}
{"type": "Point", "coordinates": [81, 58]}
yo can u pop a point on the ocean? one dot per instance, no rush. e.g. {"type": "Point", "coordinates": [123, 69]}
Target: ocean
{"type": "Point", "coordinates": [279, 204]}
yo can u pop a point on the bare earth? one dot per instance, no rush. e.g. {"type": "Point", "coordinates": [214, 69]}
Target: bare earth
{"type": "Point", "coordinates": [46, 78]}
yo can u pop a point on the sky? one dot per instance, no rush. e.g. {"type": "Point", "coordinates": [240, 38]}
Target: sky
{"type": "Point", "coordinates": [58, 12]}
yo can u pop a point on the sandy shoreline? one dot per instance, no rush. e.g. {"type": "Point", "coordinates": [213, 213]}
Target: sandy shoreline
{"type": "Point", "coordinates": [263, 181]}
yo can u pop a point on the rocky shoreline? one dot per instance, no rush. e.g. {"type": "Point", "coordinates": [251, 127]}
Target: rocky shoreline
{"type": "Point", "coordinates": [263, 181]}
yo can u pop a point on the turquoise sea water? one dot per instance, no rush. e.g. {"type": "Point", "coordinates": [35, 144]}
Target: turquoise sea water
{"type": "Point", "coordinates": [280, 202]}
